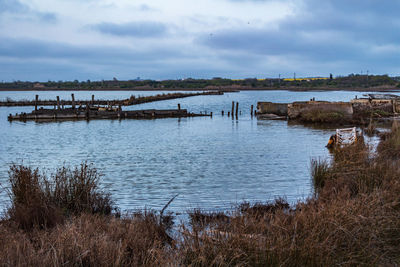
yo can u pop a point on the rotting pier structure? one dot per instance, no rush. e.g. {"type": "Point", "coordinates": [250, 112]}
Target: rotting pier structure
{"type": "Point", "coordinates": [90, 113]}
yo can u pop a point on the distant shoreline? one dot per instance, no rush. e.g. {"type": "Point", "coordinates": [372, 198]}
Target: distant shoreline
{"type": "Point", "coordinates": [233, 89]}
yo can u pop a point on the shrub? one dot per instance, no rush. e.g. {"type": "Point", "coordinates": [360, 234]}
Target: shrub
{"type": "Point", "coordinates": [319, 173]}
{"type": "Point", "coordinates": [389, 147]}
{"type": "Point", "coordinates": [76, 191]}
{"type": "Point", "coordinates": [37, 201]}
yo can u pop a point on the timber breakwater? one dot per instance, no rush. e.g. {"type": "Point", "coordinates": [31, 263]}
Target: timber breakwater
{"type": "Point", "coordinates": [124, 102]}
{"type": "Point", "coordinates": [358, 110]}
{"type": "Point", "coordinates": [90, 113]}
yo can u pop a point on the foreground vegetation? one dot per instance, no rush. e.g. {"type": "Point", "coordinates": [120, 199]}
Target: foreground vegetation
{"type": "Point", "coordinates": [343, 82]}
{"type": "Point", "coordinates": [352, 219]}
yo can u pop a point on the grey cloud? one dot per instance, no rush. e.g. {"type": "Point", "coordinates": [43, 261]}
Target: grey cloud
{"type": "Point", "coordinates": [13, 6]}
{"type": "Point", "coordinates": [134, 29]}
{"type": "Point", "coordinates": [145, 7]}
{"type": "Point", "coordinates": [26, 59]}
{"type": "Point", "coordinates": [381, 8]}
{"type": "Point", "coordinates": [273, 43]}
{"type": "Point", "coordinates": [260, 1]}
{"type": "Point", "coordinates": [47, 17]}
{"type": "Point", "coordinates": [44, 71]}
{"type": "Point", "coordinates": [16, 7]}
{"type": "Point", "coordinates": [360, 20]}
{"type": "Point", "coordinates": [34, 49]}
{"type": "Point", "coordinates": [340, 33]}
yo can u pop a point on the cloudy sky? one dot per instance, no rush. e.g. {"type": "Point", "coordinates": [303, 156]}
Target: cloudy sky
{"type": "Point", "coordinates": [44, 40]}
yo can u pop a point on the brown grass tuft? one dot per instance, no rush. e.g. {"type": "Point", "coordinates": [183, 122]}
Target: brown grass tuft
{"type": "Point", "coordinates": [38, 201]}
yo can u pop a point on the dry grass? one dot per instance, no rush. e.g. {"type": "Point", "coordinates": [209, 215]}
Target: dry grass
{"type": "Point", "coordinates": [87, 240]}
{"type": "Point", "coordinates": [317, 116]}
{"type": "Point", "coordinates": [389, 147]}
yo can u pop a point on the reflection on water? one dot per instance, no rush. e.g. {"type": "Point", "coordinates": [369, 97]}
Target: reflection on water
{"type": "Point", "coordinates": [210, 162]}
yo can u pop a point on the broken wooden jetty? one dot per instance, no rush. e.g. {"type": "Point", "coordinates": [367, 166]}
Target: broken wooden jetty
{"type": "Point", "coordinates": [92, 112]}
{"type": "Point", "coordinates": [123, 102]}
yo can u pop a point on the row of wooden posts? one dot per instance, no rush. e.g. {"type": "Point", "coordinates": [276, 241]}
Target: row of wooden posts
{"type": "Point", "coordinates": [233, 111]}
{"type": "Point", "coordinates": [59, 102]}
{"type": "Point", "coordinates": [236, 112]}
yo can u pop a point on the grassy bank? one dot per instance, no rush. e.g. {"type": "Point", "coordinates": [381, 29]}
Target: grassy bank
{"type": "Point", "coordinates": [352, 219]}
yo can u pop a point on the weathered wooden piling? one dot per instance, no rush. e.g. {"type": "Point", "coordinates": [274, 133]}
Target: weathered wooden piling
{"type": "Point", "coordinates": [87, 111]}
{"type": "Point", "coordinates": [73, 101]}
{"type": "Point", "coordinates": [233, 107]}
{"type": "Point", "coordinates": [237, 109]}
{"type": "Point", "coordinates": [222, 113]}
{"type": "Point", "coordinates": [179, 106]}
{"type": "Point", "coordinates": [58, 102]}
{"type": "Point", "coordinates": [229, 113]}
{"type": "Point", "coordinates": [211, 114]}
{"type": "Point", "coordinates": [251, 110]}
{"type": "Point", "coordinates": [36, 101]}
{"type": "Point", "coordinates": [92, 99]}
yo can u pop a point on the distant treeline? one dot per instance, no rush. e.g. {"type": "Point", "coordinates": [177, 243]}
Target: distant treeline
{"type": "Point", "coordinates": [350, 81]}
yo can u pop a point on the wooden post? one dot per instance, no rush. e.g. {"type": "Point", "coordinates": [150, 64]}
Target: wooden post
{"type": "Point", "coordinates": [222, 113]}
{"type": "Point", "coordinates": [36, 101]}
{"type": "Point", "coordinates": [237, 109]}
{"type": "Point", "coordinates": [58, 102]}
{"type": "Point", "coordinates": [233, 107]}
{"type": "Point", "coordinates": [251, 110]}
{"type": "Point", "coordinates": [229, 113]}
{"type": "Point", "coordinates": [87, 111]}
{"type": "Point", "coordinates": [92, 99]}
{"type": "Point", "coordinates": [211, 114]}
{"type": "Point", "coordinates": [179, 106]}
{"type": "Point", "coordinates": [394, 106]}
{"type": "Point", "coordinates": [73, 101]}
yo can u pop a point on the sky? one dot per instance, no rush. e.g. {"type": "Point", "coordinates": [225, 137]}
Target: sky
{"type": "Point", "coordinates": [43, 40]}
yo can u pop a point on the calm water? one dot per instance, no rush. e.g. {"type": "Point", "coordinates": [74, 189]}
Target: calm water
{"type": "Point", "coordinates": [211, 163]}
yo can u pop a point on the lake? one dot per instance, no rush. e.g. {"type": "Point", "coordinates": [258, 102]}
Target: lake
{"type": "Point", "coordinates": [212, 163]}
